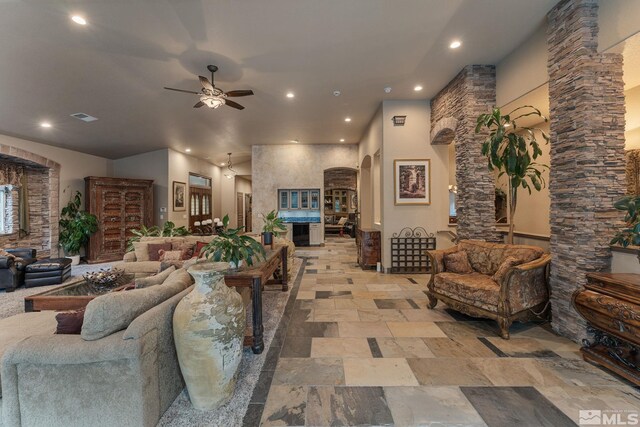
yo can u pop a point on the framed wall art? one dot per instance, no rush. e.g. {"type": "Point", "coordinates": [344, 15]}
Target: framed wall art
{"type": "Point", "coordinates": [412, 181]}
{"type": "Point", "coordinates": [179, 196]}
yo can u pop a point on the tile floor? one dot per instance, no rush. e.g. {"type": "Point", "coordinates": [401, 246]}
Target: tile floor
{"type": "Point", "coordinates": [360, 348]}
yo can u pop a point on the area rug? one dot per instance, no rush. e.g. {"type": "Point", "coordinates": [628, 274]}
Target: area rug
{"type": "Point", "coordinates": [181, 413]}
{"type": "Point", "coordinates": [12, 303]}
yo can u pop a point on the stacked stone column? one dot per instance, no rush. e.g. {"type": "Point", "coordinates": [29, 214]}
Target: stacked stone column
{"type": "Point", "coordinates": [471, 93]}
{"type": "Point", "coordinates": [586, 95]}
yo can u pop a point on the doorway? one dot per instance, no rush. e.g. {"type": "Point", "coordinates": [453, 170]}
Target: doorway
{"type": "Point", "coordinates": [240, 208]}
{"type": "Point", "coordinates": [200, 199]}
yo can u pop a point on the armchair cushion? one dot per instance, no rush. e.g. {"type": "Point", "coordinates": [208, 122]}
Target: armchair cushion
{"type": "Point", "coordinates": [486, 257]}
{"type": "Point", "coordinates": [457, 262]}
{"type": "Point", "coordinates": [476, 289]}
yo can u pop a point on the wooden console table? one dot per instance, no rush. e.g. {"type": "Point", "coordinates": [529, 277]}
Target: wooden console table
{"type": "Point", "coordinates": [255, 278]}
{"type": "Point", "coordinates": [611, 304]}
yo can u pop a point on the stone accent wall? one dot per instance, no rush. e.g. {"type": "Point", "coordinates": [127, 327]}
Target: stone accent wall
{"type": "Point", "coordinates": [587, 154]}
{"type": "Point", "coordinates": [471, 93]}
{"type": "Point", "coordinates": [43, 177]}
{"type": "Point", "coordinates": [342, 178]}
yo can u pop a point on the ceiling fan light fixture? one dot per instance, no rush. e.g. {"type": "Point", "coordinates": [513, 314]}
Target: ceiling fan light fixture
{"type": "Point", "coordinates": [212, 101]}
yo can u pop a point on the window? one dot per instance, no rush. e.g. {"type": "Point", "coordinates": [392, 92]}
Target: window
{"type": "Point", "coordinates": [5, 209]}
{"type": "Point", "coordinates": [6, 220]}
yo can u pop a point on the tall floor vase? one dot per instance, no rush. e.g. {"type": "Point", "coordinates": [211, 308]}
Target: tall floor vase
{"type": "Point", "coordinates": [208, 329]}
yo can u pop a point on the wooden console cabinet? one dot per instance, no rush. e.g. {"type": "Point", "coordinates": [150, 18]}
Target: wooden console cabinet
{"type": "Point", "coordinates": [120, 205]}
{"type": "Point", "coordinates": [611, 304]}
{"type": "Point", "coordinates": [368, 245]}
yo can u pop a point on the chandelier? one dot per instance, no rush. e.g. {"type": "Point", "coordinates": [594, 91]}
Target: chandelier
{"type": "Point", "coordinates": [230, 172]}
{"type": "Point", "coordinates": [212, 101]}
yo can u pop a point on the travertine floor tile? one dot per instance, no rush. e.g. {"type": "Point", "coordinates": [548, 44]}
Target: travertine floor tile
{"type": "Point", "coordinates": [415, 329]}
{"type": "Point", "coordinates": [363, 329]}
{"type": "Point", "coordinates": [312, 371]}
{"type": "Point", "coordinates": [340, 347]}
{"type": "Point", "coordinates": [285, 406]}
{"type": "Point", "coordinates": [343, 315]}
{"type": "Point", "coordinates": [378, 372]}
{"type": "Point", "coordinates": [403, 347]}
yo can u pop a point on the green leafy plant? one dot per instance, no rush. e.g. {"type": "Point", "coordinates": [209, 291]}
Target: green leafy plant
{"type": "Point", "coordinates": [169, 229]}
{"type": "Point", "coordinates": [233, 247]}
{"type": "Point", "coordinates": [512, 151]}
{"type": "Point", "coordinates": [273, 224]}
{"type": "Point", "coordinates": [630, 234]}
{"type": "Point", "coordinates": [76, 226]}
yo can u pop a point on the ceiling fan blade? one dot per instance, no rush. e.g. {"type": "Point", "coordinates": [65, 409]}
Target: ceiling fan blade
{"type": "Point", "coordinates": [199, 104]}
{"type": "Point", "coordinates": [205, 83]}
{"type": "Point", "coordinates": [182, 90]}
{"type": "Point", "coordinates": [240, 93]}
{"type": "Point", "coordinates": [233, 104]}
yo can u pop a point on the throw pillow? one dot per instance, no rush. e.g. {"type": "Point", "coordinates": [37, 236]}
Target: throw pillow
{"type": "Point", "coordinates": [457, 262]}
{"type": "Point", "coordinates": [141, 251]}
{"type": "Point", "coordinates": [145, 282]}
{"type": "Point", "coordinates": [199, 246]}
{"type": "Point", "coordinates": [70, 322]}
{"type": "Point", "coordinates": [507, 263]}
{"type": "Point", "coordinates": [170, 255]}
{"type": "Point", "coordinates": [186, 248]}
{"type": "Point", "coordinates": [155, 248]}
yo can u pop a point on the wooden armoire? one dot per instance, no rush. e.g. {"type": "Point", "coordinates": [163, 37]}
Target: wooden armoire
{"type": "Point", "coordinates": [120, 205]}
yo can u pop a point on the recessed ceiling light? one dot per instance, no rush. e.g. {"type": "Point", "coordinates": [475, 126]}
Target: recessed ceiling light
{"type": "Point", "coordinates": [418, 88]}
{"type": "Point", "coordinates": [348, 119]}
{"type": "Point", "coordinates": [188, 150]}
{"type": "Point", "coordinates": [295, 141]}
{"type": "Point", "coordinates": [79, 20]}
{"type": "Point", "coordinates": [291, 95]}
{"type": "Point", "coordinates": [387, 89]}
{"type": "Point", "coordinates": [45, 124]}
{"type": "Point", "coordinates": [341, 139]}
{"type": "Point", "coordinates": [455, 44]}
{"type": "Point", "coordinates": [222, 164]}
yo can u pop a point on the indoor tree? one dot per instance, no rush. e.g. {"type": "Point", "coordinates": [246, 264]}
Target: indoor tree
{"type": "Point", "coordinates": [75, 227]}
{"type": "Point", "coordinates": [512, 151]}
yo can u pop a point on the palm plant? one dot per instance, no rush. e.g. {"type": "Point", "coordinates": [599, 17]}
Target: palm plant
{"type": "Point", "coordinates": [272, 224]}
{"type": "Point", "coordinates": [512, 151]}
{"type": "Point", "coordinates": [76, 226]}
{"type": "Point", "coordinates": [232, 247]}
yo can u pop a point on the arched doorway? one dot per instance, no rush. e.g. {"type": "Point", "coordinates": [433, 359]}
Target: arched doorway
{"type": "Point", "coordinates": [340, 200]}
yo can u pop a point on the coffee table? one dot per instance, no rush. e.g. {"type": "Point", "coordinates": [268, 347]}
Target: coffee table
{"type": "Point", "coordinates": [72, 296]}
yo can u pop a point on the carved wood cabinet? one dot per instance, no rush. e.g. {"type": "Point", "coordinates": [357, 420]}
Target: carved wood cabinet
{"type": "Point", "coordinates": [120, 205]}
{"type": "Point", "coordinates": [368, 245]}
{"type": "Point", "coordinates": [611, 304]}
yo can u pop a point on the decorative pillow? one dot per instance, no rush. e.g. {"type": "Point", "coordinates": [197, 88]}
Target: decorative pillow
{"type": "Point", "coordinates": [199, 246]}
{"type": "Point", "coordinates": [170, 255]}
{"type": "Point", "coordinates": [70, 322]}
{"type": "Point", "coordinates": [185, 247]}
{"type": "Point", "coordinates": [155, 248]}
{"type": "Point", "coordinates": [145, 282]}
{"type": "Point", "coordinates": [508, 262]}
{"type": "Point", "coordinates": [457, 262]}
{"type": "Point", "coordinates": [141, 251]}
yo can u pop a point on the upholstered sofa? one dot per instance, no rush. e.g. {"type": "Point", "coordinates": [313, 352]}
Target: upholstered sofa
{"type": "Point", "coordinates": [121, 371]}
{"type": "Point", "coordinates": [135, 262]}
{"type": "Point", "coordinates": [503, 282]}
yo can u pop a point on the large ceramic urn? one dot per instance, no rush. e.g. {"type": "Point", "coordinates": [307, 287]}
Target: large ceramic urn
{"type": "Point", "coordinates": [208, 329]}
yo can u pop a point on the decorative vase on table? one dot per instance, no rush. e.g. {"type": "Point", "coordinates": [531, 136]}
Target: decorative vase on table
{"type": "Point", "coordinates": [208, 329]}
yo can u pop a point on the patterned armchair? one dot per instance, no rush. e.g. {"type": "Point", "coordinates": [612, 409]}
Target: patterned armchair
{"type": "Point", "coordinates": [503, 282]}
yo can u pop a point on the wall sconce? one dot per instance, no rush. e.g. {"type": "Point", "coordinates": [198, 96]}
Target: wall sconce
{"type": "Point", "coordinates": [399, 120]}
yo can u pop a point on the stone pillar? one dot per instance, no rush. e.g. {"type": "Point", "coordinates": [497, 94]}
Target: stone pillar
{"type": "Point", "coordinates": [471, 93]}
{"type": "Point", "coordinates": [586, 95]}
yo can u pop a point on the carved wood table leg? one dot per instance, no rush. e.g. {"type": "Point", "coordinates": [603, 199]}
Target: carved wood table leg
{"type": "Point", "coordinates": [256, 291]}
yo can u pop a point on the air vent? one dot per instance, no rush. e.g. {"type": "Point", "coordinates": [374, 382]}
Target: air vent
{"type": "Point", "coordinates": [84, 117]}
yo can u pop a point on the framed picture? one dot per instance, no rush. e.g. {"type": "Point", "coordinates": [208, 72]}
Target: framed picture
{"type": "Point", "coordinates": [412, 181]}
{"type": "Point", "coordinates": [179, 196]}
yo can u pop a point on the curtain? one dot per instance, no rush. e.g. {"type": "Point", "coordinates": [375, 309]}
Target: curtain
{"type": "Point", "coordinates": [23, 207]}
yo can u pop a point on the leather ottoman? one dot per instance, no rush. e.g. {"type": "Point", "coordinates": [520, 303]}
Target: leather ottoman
{"type": "Point", "coordinates": [45, 272]}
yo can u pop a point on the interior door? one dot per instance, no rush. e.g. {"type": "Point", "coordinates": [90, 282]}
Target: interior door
{"type": "Point", "coordinates": [247, 212]}
{"type": "Point", "coordinates": [240, 208]}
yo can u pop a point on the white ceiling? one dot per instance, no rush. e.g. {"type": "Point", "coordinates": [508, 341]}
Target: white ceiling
{"type": "Point", "coordinates": [115, 67]}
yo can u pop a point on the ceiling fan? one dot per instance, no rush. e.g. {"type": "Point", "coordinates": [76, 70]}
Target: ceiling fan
{"type": "Point", "coordinates": [213, 97]}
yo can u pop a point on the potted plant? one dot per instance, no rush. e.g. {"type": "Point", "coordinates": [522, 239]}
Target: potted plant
{"type": "Point", "coordinates": [630, 234]}
{"type": "Point", "coordinates": [76, 226]}
{"type": "Point", "coordinates": [169, 229]}
{"type": "Point", "coordinates": [272, 224]}
{"type": "Point", "coordinates": [512, 151]}
{"type": "Point", "coordinates": [232, 247]}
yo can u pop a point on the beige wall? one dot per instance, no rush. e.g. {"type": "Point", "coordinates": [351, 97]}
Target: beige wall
{"type": "Point", "coordinates": [74, 166]}
{"type": "Point", "coordinates": [617, 20]}
{"type": "Point", "coordinates": [293, 166]}
{"type": "Point", "coordinates": [370, 143]}
{"type": "Point", "coordinates": [524, 69]}
{"type": "Point", "coordinates": [243, 186]}
{"type": "Point", "coordinates": [153, 165]}
{"type": "Point", "coordinates": [411, 141]}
